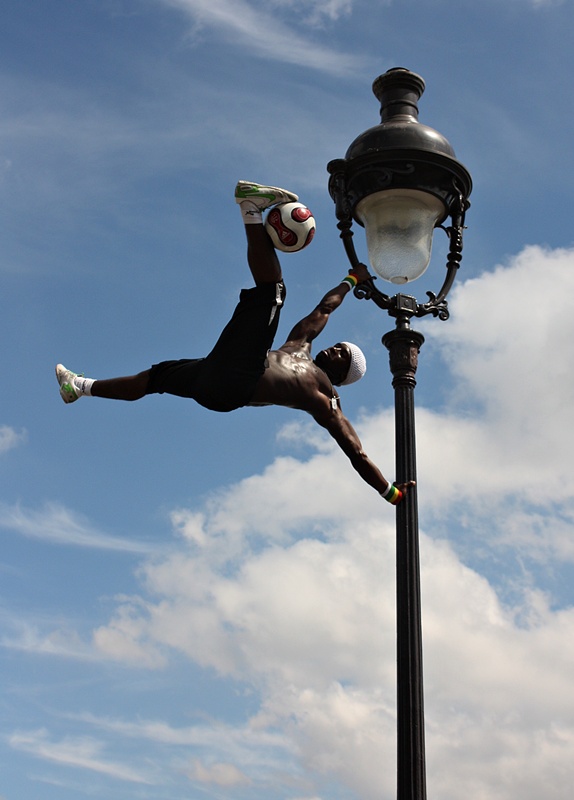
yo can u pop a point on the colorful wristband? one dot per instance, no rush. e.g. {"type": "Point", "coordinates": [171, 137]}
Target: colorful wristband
{"type": "Point", "coordinates": [392, 494]}
{"type": "Point", "coordinates": [351, 279]}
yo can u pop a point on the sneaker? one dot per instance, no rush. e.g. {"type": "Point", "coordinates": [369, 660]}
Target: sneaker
{"type": "Point", "coordinates": [262, 196]}
{"type": "Point", "coordinates": [65, 379]}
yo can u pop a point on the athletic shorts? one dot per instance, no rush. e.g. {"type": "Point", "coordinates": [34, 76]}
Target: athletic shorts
{"type": "Point", "coordinates": [227, 377]}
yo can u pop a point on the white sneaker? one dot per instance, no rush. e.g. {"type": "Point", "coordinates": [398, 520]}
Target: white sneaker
{"type": "Point", "coordinates": [65, 379]}
{"type": "Point", "coordinates": [262, 196]}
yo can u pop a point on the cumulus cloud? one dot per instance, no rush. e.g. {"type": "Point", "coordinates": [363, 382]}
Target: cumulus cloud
{"type": "Point", "coordinates": [514, 327]}
{"type": "Point", "coordinates": [285, 580]}
{"type": "Point", "coordinates": [311, 626]}
{"type": "Point", "coordinates": [125, 638]}
{"type": "Point", "coordinates": [504, 440]}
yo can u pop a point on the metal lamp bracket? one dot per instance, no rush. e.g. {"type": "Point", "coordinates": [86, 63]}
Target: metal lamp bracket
{"type": "Point", "coordinates": [397, 306]}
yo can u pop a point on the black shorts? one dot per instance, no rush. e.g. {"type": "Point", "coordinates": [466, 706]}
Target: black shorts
{"type": "Point", "coordinates": [227, 377]}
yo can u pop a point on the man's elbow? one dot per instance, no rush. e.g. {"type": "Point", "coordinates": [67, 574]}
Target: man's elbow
{"type": "Point", "coordinates": [359, 459]}
{"type": "Point", "coordinates": [327, 306]}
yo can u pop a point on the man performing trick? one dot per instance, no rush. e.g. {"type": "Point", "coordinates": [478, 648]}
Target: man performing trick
{"type": "Point", "coordinates": [242, 370]}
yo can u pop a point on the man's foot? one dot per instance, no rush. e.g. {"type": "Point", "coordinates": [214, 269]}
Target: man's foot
{"type": "Point", "coordinates": [262, 196]}
{"type": "Point", "coordinates": [66, 380]}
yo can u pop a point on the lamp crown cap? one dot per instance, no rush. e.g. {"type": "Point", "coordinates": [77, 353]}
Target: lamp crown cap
{"type": "Point", "coordinates": [398, 90]}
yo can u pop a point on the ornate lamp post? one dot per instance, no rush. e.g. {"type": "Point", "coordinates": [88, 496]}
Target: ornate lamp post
{"type": "Point", "coordinates": [400, 180]}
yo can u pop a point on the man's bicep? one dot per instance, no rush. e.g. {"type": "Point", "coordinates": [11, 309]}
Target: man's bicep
{"type": "Point", "coordinates": [309, 327]}
{"type": "Point", "coordinates": [342, 432]}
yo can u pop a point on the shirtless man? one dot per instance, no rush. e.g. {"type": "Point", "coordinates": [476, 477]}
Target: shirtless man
{"type": "Point", "coordinates": [242, 370]}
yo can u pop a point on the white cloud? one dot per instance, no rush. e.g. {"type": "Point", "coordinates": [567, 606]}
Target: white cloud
{"type": "Point", "coordinates": [515, 326]}
{"type": "Point", "coordinates": [230, 740]}
{"type": "Point", "coordinates": [9, 438]}
{"type": "Point", "coordinates": [315, 12]}
{"type": "Point", "coordinates": [316, 614]}
{"type": "Point", "coordinates": [285, 581]}
{"type": "Point", "coordinates": [219, 774]}
{"type": "Point", "coordinates": [58, 641]}
{"type": "Point", "coordinates": [265, 34]}
{"type": "Point", "coordinates": [311, 625]}
{"type": "Point", "coordinates": [125, 639]}
{"type": "Point", "coordinates": [58, 525]}
{"type": "Point", "coordinates": [506, 435]}
{"type": "Point", "coordinates": [207, 753]}
{"type": "Point", "coordinates": [83, 753]}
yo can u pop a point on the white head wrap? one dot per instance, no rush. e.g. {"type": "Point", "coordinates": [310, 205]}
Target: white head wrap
{"type": "Point", "coordinates": [358, 365]}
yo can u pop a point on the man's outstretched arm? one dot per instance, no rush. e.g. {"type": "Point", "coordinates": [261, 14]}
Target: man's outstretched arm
{"type": "Point", "coordinates": [311, 326]}
{"type": "Point", "coordinates": [346, 437]}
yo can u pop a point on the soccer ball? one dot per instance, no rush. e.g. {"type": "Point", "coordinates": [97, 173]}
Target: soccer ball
{"type": "Point", "coordinates": [291, 226]}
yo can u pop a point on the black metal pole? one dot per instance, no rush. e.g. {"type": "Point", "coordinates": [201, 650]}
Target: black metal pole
{"type": "Point", "coordinates": [403, 154]}
{"type": "Point", "coordinates": [404, 345]}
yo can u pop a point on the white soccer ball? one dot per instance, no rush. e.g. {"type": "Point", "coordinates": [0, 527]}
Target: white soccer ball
{"type": "Point", "coordinates": [291, 226]}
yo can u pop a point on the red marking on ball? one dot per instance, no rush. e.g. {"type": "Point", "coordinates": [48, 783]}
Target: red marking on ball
{"type": "Point", "coordinates": [300, 214]}
{"type": "Point", "coordinates": [309, 238]}
{"type": "Point", "coordinates": [289, 238]}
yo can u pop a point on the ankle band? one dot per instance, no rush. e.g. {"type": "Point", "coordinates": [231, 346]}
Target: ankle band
{"type": "Point", "coordinates": [83, 386]}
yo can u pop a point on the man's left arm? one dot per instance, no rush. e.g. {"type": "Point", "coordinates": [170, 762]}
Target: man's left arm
{"type": "Point", "coordinates": [311, 326]}
{"type": "Point", "coordinates": [346, 437]}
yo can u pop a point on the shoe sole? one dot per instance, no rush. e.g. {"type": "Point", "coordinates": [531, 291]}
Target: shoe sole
{"type": "Point", "coordinates": [247, 191]}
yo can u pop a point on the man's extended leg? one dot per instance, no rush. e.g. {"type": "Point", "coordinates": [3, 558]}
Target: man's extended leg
{"type": "Point", "coordinates": [262, 256]}
{"type": "Point", "coordinates": [132, 387]}
{"type": "Point", "coordinates": [73, 386]}
{"type": "Point", "coordinates": [254, 199]}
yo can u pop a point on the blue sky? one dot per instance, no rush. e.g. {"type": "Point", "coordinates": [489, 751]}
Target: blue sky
{"type": "Point", "coordinates": [202, 605]}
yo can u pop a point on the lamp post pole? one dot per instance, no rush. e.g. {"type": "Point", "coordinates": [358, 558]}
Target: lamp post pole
{"type": "Point", "coordinates": [403, 345]}
{"type": "Point", "coordinates": [401, 180]}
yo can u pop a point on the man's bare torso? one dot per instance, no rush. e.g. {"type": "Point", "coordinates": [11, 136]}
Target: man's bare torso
{"type": "Point", "coordinates": [293, 379]}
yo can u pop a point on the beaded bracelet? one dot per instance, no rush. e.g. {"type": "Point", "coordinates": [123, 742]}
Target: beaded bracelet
{"type": "Point", "coordinates": [392, 494]}
{"type": "Point", "coordinates": [351, 279]}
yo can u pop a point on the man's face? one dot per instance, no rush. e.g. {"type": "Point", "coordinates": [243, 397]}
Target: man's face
{"type": "Point", "coordinates": [335, 361]}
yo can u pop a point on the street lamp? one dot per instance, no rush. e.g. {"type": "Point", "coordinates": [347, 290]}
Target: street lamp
{"type": "Point", "coordinates": [401, 180]}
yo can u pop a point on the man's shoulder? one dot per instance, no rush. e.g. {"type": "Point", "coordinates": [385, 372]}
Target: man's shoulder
{"type": "Point", "coordinates": [296, 348]}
